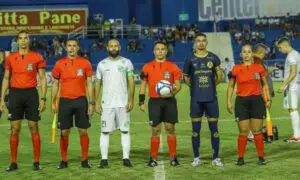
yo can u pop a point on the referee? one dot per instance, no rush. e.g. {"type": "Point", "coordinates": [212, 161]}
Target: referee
{"type": "Point", "coordinates": [21, 69]}
{"type": "Point", "coordinates": [250, 108]}
{"type": "Point", "coordinates": [161, 109]}
{"type": "Point", "coordinates": [74, 75]}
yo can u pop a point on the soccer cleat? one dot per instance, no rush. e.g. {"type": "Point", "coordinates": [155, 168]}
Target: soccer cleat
{"type": "Point", "coordinates": [12, 167]}
{"type": "Point", "coordinates": [240, 161]}
{"type": "Point", "coordinates": [196, 162]}
{"type": "Point", "coordinates": [127, 163]}
{"type": "Point", "coordinates": [291, 139]}
{"type": "Point", "coordinates": [174, 162]}
{"type": "Point", "coordinates": [85, 164]}
{"type": "Point", "coordinates": [217, 162]}
{"type": "Point", "coordinates": [103, 163]}
{"type": "Point", "coordinates": [261, 161]}
{"type": "Point", "coordinates": [37, 166]}
{"type": "Point", "coordinates": [62, 165]}
{"type": "Point", "coordinates": [152, 162]}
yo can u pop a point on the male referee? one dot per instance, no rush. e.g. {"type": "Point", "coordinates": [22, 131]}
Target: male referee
{"type": "Point", "coordinates": [74, 75]}
{"type": "Point", "coordinates": [161, 109]}
{"type": "Point", "coordinates": [21, 69]}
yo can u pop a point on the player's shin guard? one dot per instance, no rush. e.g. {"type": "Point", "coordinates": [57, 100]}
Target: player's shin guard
{"type": "Point", "coordinates": [14, 143]}
{"type": "Point", "coordinates": [242, 143]}
{"type": "Point", "coordinates": [295, 123]}
{"type": "Point", "coordinates": [196, 138]}
{"type": "Point", "coordinates": [215, 139]}
{"type": "Point", "coordinates": [125, 140]}
{"type": "Point", "coordinates": [172, 145]}
{"type": "Point", "coordinates": [155, 141]}
{"type": "Point", "coordinates": [104, 143]}
{"type": "Point", "coordinates": [84, 143]}
{"type": "Point", "coordinates": [36, 142]}
{"type": "Point", "coordinates": [64, 143]}
{"type": "Point", "coordinates": [259, 143]}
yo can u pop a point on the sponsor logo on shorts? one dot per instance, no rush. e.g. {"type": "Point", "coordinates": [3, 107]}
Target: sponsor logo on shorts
{"type": "Point", "coordinates": [79, 72]}
{"type": "Point", "coordinates": [9, 115]}
{"type": "Point", "coordinates": [30, 67]}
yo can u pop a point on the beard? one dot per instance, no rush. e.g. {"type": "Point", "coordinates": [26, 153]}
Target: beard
{"type": "Point", "coordinates": [114, 54]}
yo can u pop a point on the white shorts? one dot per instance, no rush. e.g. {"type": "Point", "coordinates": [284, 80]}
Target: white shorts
{"type": "Point", "coordinates": [115, 118]}
{"type": "Point", "coordinates": [290, 100]}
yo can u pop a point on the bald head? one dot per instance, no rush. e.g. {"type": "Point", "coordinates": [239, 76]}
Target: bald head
{"type": "Point", "coordinates": [113, 48]}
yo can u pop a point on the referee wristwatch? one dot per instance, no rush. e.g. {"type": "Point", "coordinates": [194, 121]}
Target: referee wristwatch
{"type": "Point", "coordinates": [43, 99]}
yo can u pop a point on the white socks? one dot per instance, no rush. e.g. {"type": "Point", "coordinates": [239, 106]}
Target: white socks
{"type": "Point", "coordinates": [104, 143]}
{"type": "Point", "coordinates": [125, 140]}
{"type": "Point", "coordinates": [295, 123]}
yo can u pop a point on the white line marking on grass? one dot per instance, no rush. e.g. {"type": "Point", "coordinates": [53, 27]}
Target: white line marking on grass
{"type": "Point", "coordinates": [159, 172]}
{"type": "Point", "coordinates": [222, 120]}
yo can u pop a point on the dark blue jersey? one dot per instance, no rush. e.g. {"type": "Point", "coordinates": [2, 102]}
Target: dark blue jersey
{"type": "Point", "coordinates": [202, 73]}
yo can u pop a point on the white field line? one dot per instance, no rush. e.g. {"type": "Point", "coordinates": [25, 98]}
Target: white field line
{"type": "Point", "coordinates": [159, 172]}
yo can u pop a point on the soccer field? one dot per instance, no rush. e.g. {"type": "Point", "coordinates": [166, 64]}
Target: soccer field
{"type": "Point", "coordinates": [283, 159]}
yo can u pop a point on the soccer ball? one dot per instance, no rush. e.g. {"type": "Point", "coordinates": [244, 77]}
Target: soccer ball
{"type": "Point", "coordinates": [163, 88]}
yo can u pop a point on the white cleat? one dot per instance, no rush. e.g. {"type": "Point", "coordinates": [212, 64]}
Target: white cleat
{"type": "Point", "coordinates": [196, 162]}
{"type": "Point", "coordinates": [217, 162]}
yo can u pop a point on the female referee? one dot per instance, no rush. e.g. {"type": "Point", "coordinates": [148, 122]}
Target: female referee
{"type": "Point", "coordinates": [250, 108]}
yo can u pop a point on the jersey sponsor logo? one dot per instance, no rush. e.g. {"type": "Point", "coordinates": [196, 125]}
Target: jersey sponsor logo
{"type": "Point", "coordinates": [203, 82]}
{"type": "Point", "coordinates": [79, 72]}
{"type": "Point", "coordinates": [29, 67]}
{"type": "Point", "coordinates": [167, 75]}
{"type": "Point", "coordinates": [210, 64]}
{"type": "Point", "coordinates": [202, 66]}
{"type": "Point", "coordinates": [195, 65]}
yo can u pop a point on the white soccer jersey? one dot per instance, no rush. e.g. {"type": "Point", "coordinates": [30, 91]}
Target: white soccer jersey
{"type": "Point", "coordinates": [113, 74]}
{"type": "Point", "coordinates": [293, 58]}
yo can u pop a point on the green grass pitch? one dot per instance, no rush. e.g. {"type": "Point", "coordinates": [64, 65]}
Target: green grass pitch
{"type": "Point", "coordinates": [283, 159]}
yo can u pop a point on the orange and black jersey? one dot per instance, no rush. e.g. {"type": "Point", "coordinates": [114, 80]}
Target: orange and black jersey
{"type": "Point", "coordinates": [24, 69]}
{"type": "Point", "coordinates": [72, 74]}
{"type": "Point", "coordinates": [248, 79]}
{"type": "Point", "coordinates": [154, 71]}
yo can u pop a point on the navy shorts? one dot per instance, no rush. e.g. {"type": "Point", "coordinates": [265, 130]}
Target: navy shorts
{"type": "Point", "coordinates": [210, 109]}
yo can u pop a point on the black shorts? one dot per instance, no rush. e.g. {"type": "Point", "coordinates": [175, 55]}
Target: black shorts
{"type": "Point", "coordinates": [250, 107]}
{"type": "Point", "coordinates": [70, 108]}
{"type": "Point", "coordinates": [162, 110]}
{"type": "Point", "coordinates": [23, 103]}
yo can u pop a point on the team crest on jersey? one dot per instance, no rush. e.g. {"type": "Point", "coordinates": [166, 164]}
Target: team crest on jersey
{"type": "Point", "coordinates": [167, 75]}
{"type": "Point", "coordinates": [256, 75]}
{"type": "Point", "coordinates": [79, 72]}
{"type": "Point", "coordinates": [210, 64]}
{"type": "Point", "coordinates": [30, 67]}
{"type": "Point", "coordinates": [121, 69]}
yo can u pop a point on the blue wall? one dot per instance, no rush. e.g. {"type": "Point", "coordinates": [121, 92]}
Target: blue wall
{"type": "Point", "coordinates": [172, 8]}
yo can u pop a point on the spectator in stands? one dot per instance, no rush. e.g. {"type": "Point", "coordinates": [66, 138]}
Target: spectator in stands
{"type": "Point", "coordinates": [238, 37]}
{"type": "Point", "coordinates": [234, 26]}
{"type": "Point", "coordinates": [264, 22]}
{"type": "Point", "coordinates": [254, 36]}
{"type": "Point", "coordinates": [94, 46]}
{"type": "Point", "coordinates": [258, 22]}
{"type": "Point", "coordinates": [132, 21]}
{"type": "Point", "coordinates": [183, 35]}
{"type": "Point", "coordinates": [262, 36]}
{"type": "Point", "coordinates": [191, 34]}
{"type": "Point", "coordinates": [106, 27]}
{"type": "Point", "coordinates": [14, 45]}
{"type": "Point", "coordinates": [228, 65]}
{"type": "Point", "coordinates": [133, 46]}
